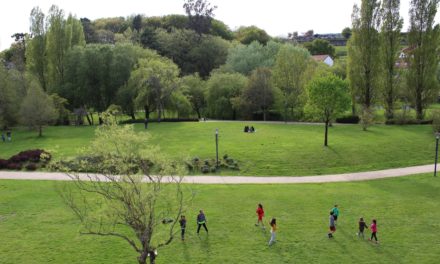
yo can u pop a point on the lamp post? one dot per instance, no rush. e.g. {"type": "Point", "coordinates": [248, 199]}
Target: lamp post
{"type": "Point", "coordinates": [437, 137]}
{"type": "Point", "coordinates": [216, 147]}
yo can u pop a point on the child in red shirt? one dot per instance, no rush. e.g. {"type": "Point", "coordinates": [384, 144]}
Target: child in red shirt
{"type": "Point", "coordinates": [373, 227]}
{"type": "Point", "coordinates": [260, 213]}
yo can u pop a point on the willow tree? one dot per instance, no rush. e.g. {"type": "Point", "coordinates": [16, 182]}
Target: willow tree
{"type": "Point", "coordinates": [423, 40]}
{"type": "Point", "coordinates": [289, 76]}
{"type": "Point", "coordinates": [364, 54]}
{"type": "Point", "coordinates": [390, 45]}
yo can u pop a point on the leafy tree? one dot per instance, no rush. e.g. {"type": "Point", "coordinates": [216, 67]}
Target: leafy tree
{"type": "Point", "coordinates": [328, 97]}
{"type": "Point", "coordinates": [135, 191]}
{"type": "Point", "coordinates": [36, 51]}
{"type": "Point", "coordinates": [423, 40]}
{"type": "Point", "coordinates": [200, 13]}
{"type": "Point", "coordinates": [62, 35]}
{"type": "Point", "coordinates": [364, 53]}
{"type": "Point", "coordinates": [247, 35]}
{"type": "Point", "coordinates": [346, 32]}
{"type": "Point", "coordinates": [112, 24]}
{"type": "Point", "coordinates": [223, 90]}
{"type": "Point", "coordinates": [244, 59]}
{"type": "Point", "coordinates": [9, 98]}
{"type": "Point", "coordinates": [137, 23]}
{"type": "Point", "coordinates": [37, 108]}
{"type": "Point", "coordinates": [289, 75]}
{"type": "Point", "coordinates": [60, 104]}
{"type": "Point", "coordinates": [218, 28]}
{"type": "Point", "coordinates": [320, 47]}
{"type": "Point", "coordinates": [210, 53]}
{"type": "Point", "coordinates": [390, 45]}
{"type": "Point", "coordinates": [180, 104]}
{"type": "Point", "coordinates": [194, 88]}
{"type": "Point", "coordinates": [154, 80]}
{"type": "Point", "coordinates": [259, 93]}
{"type": "Point", "coordinates": [89, 30]}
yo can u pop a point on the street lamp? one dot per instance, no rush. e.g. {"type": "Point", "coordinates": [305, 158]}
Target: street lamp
{"type": "Point", "coordinates": [437, 137]}
{"type": "Point", "coordinates": [216, 147]}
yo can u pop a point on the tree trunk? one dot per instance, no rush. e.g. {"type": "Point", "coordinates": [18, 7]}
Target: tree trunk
{"type": "Point", "coordinates": [89, 120]}
{"type": "Point", "coordinates": [264, 114]}
{"type": "Point", "coordinates": [40, 131]}
{"type": "Point", "coordinates": [198, 114]}
{"type": "Point", "coordinates": [419, 106]}
{"type": "Point", "coordinates": [142, 259]}
{"type": "Point", "coordinates": [326, 133]}
{"type": "Point", "coordinates": [133, 117]}
{"type": "Point", "coordinates": [147, 112]}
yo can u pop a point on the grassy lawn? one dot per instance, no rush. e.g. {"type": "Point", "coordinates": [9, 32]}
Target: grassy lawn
{"type": "Point", "coordinates": [36, 227]}
{"type": "Point", "coordinates": [275, 149]}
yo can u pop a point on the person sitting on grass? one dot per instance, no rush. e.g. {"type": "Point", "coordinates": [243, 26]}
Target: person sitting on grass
{"type": "Point", "coordinates": [331, 225]}
{"type": "Point", "coordinates": [252, 129]}
{"type": "Point", "coordinates": [246, 129]}
{"type": "Point", "coordinates": [362, 226]}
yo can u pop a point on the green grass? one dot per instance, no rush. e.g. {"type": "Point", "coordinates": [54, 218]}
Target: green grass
{"type": "Point", "coordinates": [275, 149]}
{"type": "Point", "coordinates": [36, 227]}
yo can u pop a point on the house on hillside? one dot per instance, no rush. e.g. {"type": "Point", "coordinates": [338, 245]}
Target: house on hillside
{"type": "Point", "coordinates": [324, 58]}
{"type": "Point", "coordinates": [402, 61]}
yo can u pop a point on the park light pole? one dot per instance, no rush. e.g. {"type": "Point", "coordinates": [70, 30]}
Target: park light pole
{"type": "Point", "coordinates": [437, 137]}
{"type": "Point", "coordinates": [216, 147]}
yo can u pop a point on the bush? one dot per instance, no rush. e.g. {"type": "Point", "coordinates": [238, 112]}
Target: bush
{"type": "Point", "coordinates": [408, 122]}
{"type": "Point", "coordinates": [348, 119]}
{"type": "Point", "coordinates": [151, 120]}
{"type": "Point", "coordinates": [31, 167]}
{"type": "Point", "coordinates": [3, 164]}
{"type": "Point", "coordinates": [30, 159]}
{"type": "Point", "coordinates": [209, 165]}
{"type": "Point", "coordinates": [436, 120]}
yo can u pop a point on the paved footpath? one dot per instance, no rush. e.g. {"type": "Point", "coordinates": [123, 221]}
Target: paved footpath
{"type": "Point", "coordinates": [347, 177]}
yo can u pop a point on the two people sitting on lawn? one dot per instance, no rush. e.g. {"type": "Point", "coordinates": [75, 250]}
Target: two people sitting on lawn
{"type": "Point", "coordinates": [248, 129]}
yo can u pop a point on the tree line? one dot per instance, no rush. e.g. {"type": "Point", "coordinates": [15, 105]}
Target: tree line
{"type": "Point", "coordinates": [195, 66]}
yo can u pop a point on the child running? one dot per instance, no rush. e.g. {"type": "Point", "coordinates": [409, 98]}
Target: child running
{"type": "Point", "coordinates": [182, 222]}
{"type": "Point", "coordinates": [331, 225]}
{"type": "Point", "coordinates": [260, 213]}
{"type": "Point", "coordinates": [273, 231]}
{"type": "Point", "coordinates": [201, 221]}
{"type": "Point", "coordinates": [373, 227]}
{"type": "Point", "coordinates": [362, 226]}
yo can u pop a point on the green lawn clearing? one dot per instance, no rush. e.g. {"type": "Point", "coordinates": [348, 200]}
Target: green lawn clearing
{"type": "Point", "coordinates": [275, 149]}
{"type": "Point", "coordinates": [36, 227]}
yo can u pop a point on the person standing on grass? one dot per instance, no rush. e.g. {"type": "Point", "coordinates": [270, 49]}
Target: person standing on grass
{"type": "Point", "coordinates": [3, 137]}
{"type": "Point", "coordinates": [373, 227]}
{"type": "Point", "coordinates": [335, 211]}
{"type": "Point", "coordinates": [362, 226]}
{"type": "Point", "coordinates": [182, 223]}
{"type": "Point", "coordinates": [332, 225]}
{"type": "Point", "coordinates": [201, 221]}
{"type": "Point", "coordinates": [260, 213]}
{"type": "Point", "coordinates": [273, 231]}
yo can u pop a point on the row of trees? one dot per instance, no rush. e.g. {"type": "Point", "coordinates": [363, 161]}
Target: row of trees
{"type": "Point", "coordinates": [378, 71]}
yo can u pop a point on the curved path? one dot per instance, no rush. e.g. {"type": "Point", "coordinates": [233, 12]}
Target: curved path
{"type": "Point", "coordinates": [347, 177]}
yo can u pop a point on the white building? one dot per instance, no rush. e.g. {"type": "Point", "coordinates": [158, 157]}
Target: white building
{"type": "Point", "coordinates": [324, 58]}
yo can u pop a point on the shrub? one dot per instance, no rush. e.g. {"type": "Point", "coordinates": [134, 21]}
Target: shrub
{"type": "Point", "coordinates": [31, 167]}
{"type": "Point", "coordinates": [14, 166]}
{"type": "Point", "coordinates": [3, 164]}
{"type": "Point", "coordinates": [348, 119]}
{"type": "Point", "coordinates": [436, 120]}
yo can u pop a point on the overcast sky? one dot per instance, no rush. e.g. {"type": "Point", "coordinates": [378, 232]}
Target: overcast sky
{"type": "Point", "coordinates": [277, 17]}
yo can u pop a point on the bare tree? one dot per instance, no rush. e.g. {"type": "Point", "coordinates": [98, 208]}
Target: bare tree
{"type": "Point", "coordinates": [134, 192]}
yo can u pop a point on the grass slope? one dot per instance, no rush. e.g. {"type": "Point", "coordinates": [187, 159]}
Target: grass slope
{"type": "Point", "coordinates": [275, 149]}
{"type": "Point", "coordinates": [36, 227]}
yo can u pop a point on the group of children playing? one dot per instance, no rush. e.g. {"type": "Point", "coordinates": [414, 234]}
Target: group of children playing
{"type": "Point", "coordinates": [334, 213]}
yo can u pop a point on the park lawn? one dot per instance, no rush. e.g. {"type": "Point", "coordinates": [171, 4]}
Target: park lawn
{"type": "Point", "coordinates": [275, 149]}
{"type": "Point", "coordinates": [36, 227]}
